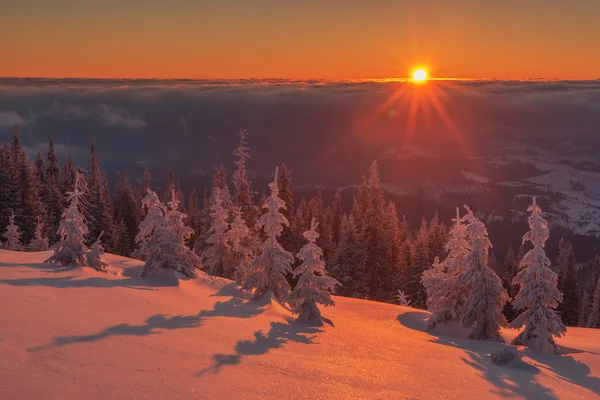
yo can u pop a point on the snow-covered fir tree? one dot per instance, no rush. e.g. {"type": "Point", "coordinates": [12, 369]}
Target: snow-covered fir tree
{"type": "Point", "coordinates": [166, 245]}
{"type": "Point", "coordinates": [71, 249]}
{"type": "Point", "coordinates": [538, 293]}
{"type": "Point", "coordinates": [12, 236]}
{"type": "Point", "coordinates": [94, 256]}
{"type": "Point", "coordinates": [433, 280]}
{"type": "Point", "coordinates": [155, 212]}
{"type": "Point", "coordinates": [447, 302]}
{"type": "Point", "coordinates": [486, 296]}
{"type": "Point", "coordinates": [39, 242]}
{"type": "Point", "coordinates": [314, 286]}
{"type": "Point", "coordinates": [267, 271]}
{"type": "Point", "coordinates": [217, 257]}
{"type": "Point", "coordinates": [241, 239]}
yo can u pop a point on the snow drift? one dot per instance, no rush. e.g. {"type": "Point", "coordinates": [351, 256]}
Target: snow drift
{"type": "Point", "coordinates": [78, 333]}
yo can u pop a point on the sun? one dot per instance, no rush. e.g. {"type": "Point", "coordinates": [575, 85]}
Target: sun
{"type": "Point", "coordinates": [419, 75]}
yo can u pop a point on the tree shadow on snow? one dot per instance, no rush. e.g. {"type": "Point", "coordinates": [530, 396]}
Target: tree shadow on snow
{"type": "Point", "coordinates": [279, 334]}
{"type": "Point", "coordinates": [65, 282]}
{"type": "Point", "coordinates": [156, 324]}
{"type": "Point", "coordinates": [568, 369]}
{"type": "Point", "coordinates": [515, 379]}
{"type": "Point", "coordinates": [50, 268]}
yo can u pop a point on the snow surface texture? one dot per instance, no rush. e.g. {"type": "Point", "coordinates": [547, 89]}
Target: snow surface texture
{"type": "Point", "coordinates": [76, 333]}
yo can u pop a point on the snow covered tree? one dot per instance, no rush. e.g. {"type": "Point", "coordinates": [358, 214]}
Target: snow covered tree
{"type": "Point", "coordinates": [94, 256]}
{"type": "Point", "coordinates": [447, 301]}
{"type": "Point", "coordinates": [241, 240]}
{"type": "Point", "coordinates": [314, 285]}
{"type": "Point", "coordinates": [166, 245]}
{"type": "Point", "coordinates": [433, 279]}
{"type": "Point", "coordinates": [486, 296]}
{"type": "Point", "coordinates": [39, 242]}
{"type": "Point", "coordinates": [217, 257]}
{"type": "Point", "coordinates": [12, 235]}
{"type": "Point", "coordinates": [538, 293]}
{"type": "Point", "coordinates": [267, 272]}
{"type": "Point", "coordinates": [567, 283]}
{"type": "Point", "coordinates": [71, 249]}
{"type": "Point", "coordinates": [155, 211]}
{"type": "Point", "coordinates": [403, 299]}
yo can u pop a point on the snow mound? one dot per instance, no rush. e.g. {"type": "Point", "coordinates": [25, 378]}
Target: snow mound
{"type": "Point", "coordinates": [506, 355]}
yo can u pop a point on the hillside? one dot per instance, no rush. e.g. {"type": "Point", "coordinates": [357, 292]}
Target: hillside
{"type": "Point", "coordinates": [77, 333]}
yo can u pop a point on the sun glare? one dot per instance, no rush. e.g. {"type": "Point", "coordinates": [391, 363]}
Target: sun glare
{"type": "Point", "coordinates": [419, 75]}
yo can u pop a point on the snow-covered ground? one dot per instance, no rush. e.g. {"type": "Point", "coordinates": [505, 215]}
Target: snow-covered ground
{"type": "Point", "coordinates": [70, 333]}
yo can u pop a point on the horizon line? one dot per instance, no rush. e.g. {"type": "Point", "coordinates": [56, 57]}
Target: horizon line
{"type": "Point", "coordinates": [251, 79]}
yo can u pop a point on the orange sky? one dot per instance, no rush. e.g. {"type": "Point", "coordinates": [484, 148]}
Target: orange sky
{"type": "Point", "coordinates": [551, 39]}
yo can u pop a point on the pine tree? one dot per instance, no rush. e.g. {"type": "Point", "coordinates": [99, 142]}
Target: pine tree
{"type": "Point", "coordinates": [348, 262]}
{"type": "Point", "coordinates": [446, 301]}
{"type": "Point", "coordinates": [69, 173]}
{"type": "Point", "coordinates": [267, 271]}
{"type": "Point", "coordinates": [71, 249]}
{"type": "Point", "coordinates": [587, 293]}
{"type": "Point", "coordinates": [166, 245]}
{"type": "Point", "coordinates": [241, 240]}
{"type": "Point", "coordinates": [594, 318]}
{"type": "Point", "coordinates": [284, 182]}
{"type": "Point", "coordinates": [486, 296]}
{"type": "Point", "coordinates": [147, 180]}
{"type": "Point", "coordinates": [100, 204]}
{"type": "Point", "coordinates": [336, 219]}
{"type": "Point", "coordinates": [243, 196]}
{"type": "Point", "coordinates": [538, 293]}
{"type": "Point", "coordinates": [155, 211]}
{"type": "Point", "coordinates": [433, 280]}
{"type": "Point", "coordinates": [510, 269]}
{"type": "Point", "coordinates": [194, 212]}
{"type": "Point", "coordinates": [374, 240]}
{"type": "Point", "coordinates": [217, 257]}
{"type": "Point", "coordinates": [419, 264]}
{"type": "Point", "coordinates": [127, 210]}
{"type": "Point", "coordinates": [567, 283]}
{"type": "Point", "coordinates": [12, 235]}
{"type": "Point", "coordinates": [9, 190]}
{"type": "Point", "coordinates": [314, 285]}
{"type": "Point", "coordinates": [39, 242]}
{"type": "Point", "coordinates": [31, 203]}
{"type": "Point", "coordinates": [54, 199]}
{"type": "Point", "coordinates": [94, 256]}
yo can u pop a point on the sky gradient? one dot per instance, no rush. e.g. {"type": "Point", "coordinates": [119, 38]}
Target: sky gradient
{"type": "Point", "coordinates": [547, 39]}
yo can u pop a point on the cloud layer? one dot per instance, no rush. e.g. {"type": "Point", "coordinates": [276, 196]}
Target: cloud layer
{"type": "Point", "coordinates": [335, 126]}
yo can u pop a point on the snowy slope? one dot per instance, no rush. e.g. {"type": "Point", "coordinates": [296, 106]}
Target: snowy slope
{"type": "Point", "coordinates": [76, 333]}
